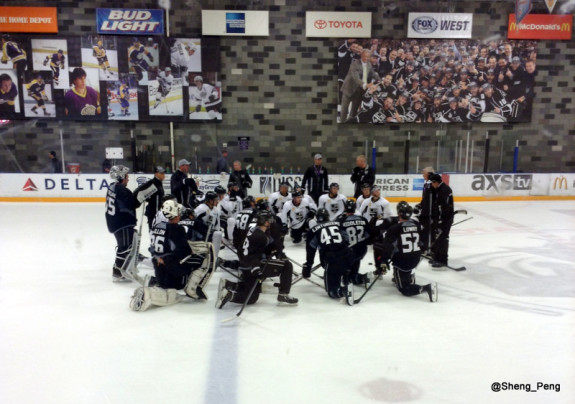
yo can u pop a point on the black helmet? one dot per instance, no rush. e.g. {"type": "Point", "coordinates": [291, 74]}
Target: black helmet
{"type": "Point", "coordinates": [263, 205]}
{"type": "Point", "coordinates": [167, 197]}
{"type": "Point", "coordinates": [232, 184]}
{"type": "Point", "coordinates": [333, 184]}
{"type": "Point", "coordinates": [404, 211]}
{"type": "Point", "coordinates": [322, 215]}
{"type": "Point", "coordinates": [263, 217]}
{"type": "Point", "coordinates": [296, 193]}
{"type": "Point", "coordinates": [210, 196]}
{"type": "Point", "coordinates": [248, 202]}
{"type": "Point", "coordinates": [350, 206]}
{"type": "Point", "coordinates": [220, 190]}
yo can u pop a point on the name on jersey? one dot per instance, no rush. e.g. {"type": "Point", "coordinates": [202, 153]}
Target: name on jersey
{"type": "Point", "coordinates": [353, 223]}
{"type": "Point", "coordinates": [130, 21]}
{"type": "Point", "coordinates": [322, 225]}
{"type": "Point", "coordinates": [409, 229]}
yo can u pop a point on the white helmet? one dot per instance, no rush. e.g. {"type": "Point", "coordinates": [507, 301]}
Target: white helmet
{"type": "Point", "coordinates": [171, 209]}
{"type": "Point", "coordinates": [199, 78]}
{"type": "Point", "coordinates": [119, 172]}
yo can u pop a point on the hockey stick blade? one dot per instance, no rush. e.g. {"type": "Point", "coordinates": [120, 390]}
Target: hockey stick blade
{"type": "Point", "coordinates": [458, 269]}
{"type": "Point", "coordinates": [460, 211]}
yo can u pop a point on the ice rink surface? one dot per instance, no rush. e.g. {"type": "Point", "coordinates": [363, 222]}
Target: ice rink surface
{"type": "Point", "coordinates": [68, 336]}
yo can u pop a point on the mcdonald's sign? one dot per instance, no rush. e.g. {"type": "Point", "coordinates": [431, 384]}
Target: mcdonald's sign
{"type": "Point", "coordinates": [560, 183]}
{"type": "Point", "coordinates": [541, 26]}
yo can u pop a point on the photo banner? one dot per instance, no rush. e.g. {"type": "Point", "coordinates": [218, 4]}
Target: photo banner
{"type": "Point", "coordinates": [384, 81]}
{"type": "Point", "coordinates": [105, 77]}
{"type": "Point", "coordinates": [439, 25]}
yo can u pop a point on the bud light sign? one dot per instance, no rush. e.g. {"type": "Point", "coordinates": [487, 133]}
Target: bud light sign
{"type": "Point", "coordinates": [130, 21]}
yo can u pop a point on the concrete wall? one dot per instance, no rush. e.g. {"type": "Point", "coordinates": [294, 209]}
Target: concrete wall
{"type": "Point", "coordinates": [299, 76]}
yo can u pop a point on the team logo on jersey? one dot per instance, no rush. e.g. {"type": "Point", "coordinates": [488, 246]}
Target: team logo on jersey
{"type": "Point", "coordinates": [30, 186]}
{"type": "Point", "coordinates": [424, 25]}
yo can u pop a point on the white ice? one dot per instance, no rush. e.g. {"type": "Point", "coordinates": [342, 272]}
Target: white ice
{"type": "Point", "coordinates": [68, 336]}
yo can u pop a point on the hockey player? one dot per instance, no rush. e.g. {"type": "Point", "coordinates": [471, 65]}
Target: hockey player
{"type": "Point", "coordinates": [297, 214]}
{"type": "Point", "coordinates": [153, 192]}
{"type": "Point", "coordinates": [8, 94]}
{"type": "Point", "coordinates": [256, 265]}
{"type": "Point", "coordinates": [121, 208]}
{"type": "Point", "coordinates": [230, 204]}
{"type": "Point", "coordinates": [279, 198]}
{"type": "Point", "coordinates": [244, 220]}
{"type": "Point", "coordinates": [375, 206]}
{"type": "Point", "coordinates": [365, 194]}
{"type": "Point", "coordinates": [180, 57]}
{"type": "Point", "coordinates": [99, 53]}
{"type": "Point", "coordinates": [400, 248]}
{"type": "Point", "coordinates": [165, 80]}
{"type": "Point", "coordinates": [333, 201]}
{"type": "Point", "coordinates": [57, 62]}
{"type": "Point", "coordinates": [124, 96]}
{"type": "Point", "coordinates": [37, 90]}
{"type": "Point", "coordinates": [207, 221]}
{"type": "Point", "coordinates": [176, 264]}
{"type": "Point", "coordinates": [497, 102]}
{"type": "Point", "coordinates": [357, 231]}
{"type": "Point", "coordinates": [136, 54]}
{"type": "Point", "coordinates": [11, 50]}
{"type": "Point", "coordinates": [82, 100]}
{"type": "Point", "coordinates": [445, 212]}
{"type": "Point", "coordinates": [305, 197]}
{"type": "Point", "coordinates": [204, 95]}
{"type": "Point", "coordinates": [335, 255]}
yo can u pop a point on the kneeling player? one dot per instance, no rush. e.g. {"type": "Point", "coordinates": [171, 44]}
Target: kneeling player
{"type": "Point", "coordinates": [176, 264]}
{"type": "Point", "coordinates": [400, 247]}
{"type": "Point", "coordinates": [255, 268]}
{"type": "Point", "coordinates": [335, 256]}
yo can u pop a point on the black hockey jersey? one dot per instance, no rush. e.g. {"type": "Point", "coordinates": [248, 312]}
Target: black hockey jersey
{"type": "Point", "coordinates": [121, 207]}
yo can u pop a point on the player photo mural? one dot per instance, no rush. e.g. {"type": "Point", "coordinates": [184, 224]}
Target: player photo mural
{"type": "Point", "coordinates": [106, 77]}
{"type": "Point", "coordinates": [435, 81]}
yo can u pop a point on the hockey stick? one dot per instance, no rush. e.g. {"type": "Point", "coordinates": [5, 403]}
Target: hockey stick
{"type": "Point", "coordinates": [299, 277]}
{"type": "Point", "coordinates": [461, 221]}
{"type": "Point", "coordinates": [130, 270]}
{"type": "Point", "coordinates": [301, 266]}
{"type": "Point", "coordinates": [259, 279]}
{"type": "Point", "coordinates": [367, 290]}
{"type": "Point", "coordinates": [462, 211]}
{"type": "Point", "coordinates": [458, 269]}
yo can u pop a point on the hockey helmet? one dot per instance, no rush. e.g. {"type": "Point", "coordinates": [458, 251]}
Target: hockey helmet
{"type": "Point", "coordinates": [333, 184]}
{"type": "Point", "coordinates": [168, 70]}
{"type": "Point", "coordinates": [248, 202]}
{"type": "Point", "coordinates": [262, 205]}
{"type": "Point", "coordinates": [232, 184]}
{"type": "Point", "coordinates": [365, 185]}
{"type": "Point", "coordinates": [264, 217]}
{"type": "Point", "coordinates": [210, 196]}
{"type": "Point", "coordinates": [322, 215]}
{"type": "Point", "coordinates": [350, 206]}
{"type": "Point", "coordinates": [199, 78]}
{"type": "Point", "coordinates": [60, 51]}
{"type": "Point", "coordinates": [404, 210]}
{"type": "Point", "coordinates": [168, 197]}
{"type": "Point", "coordinates": [171, 209]}
{"type": "Point", "coordinates": [295, 194]}
{"type": "Point", "coordinates": [220, 190]}
{"type": "Point", "coordinates": [119, 172]}
{"type": "Point", "coordinates": [284, 184]}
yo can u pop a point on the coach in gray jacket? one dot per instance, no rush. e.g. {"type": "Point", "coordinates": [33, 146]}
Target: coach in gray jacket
{"type": "Point", "coordinates": [360, 77]}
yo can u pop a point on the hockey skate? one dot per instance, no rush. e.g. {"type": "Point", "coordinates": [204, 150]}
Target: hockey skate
{"type": "Point", "coordinates": [431, 290]}
{"type": "Point", "coordinates": [138, 298]}
{"type": "Point", "coordinates": [286, 299]}
{"type": "Point", "coordinates": [117, 275]}
{"type": "Point", "coordinates": [224, 294]}
{"type": "Point", "coordinates": [438, 266]}
{"type": "Point", "coordinates": [34, 110]}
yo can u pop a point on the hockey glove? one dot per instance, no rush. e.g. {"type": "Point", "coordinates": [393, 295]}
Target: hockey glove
{"type": "Point", "coordinates": [285, 229]}
{"type": "Point", "coordinates": [311, 214]}
{"type": "Point", "coordinates": [306, 270]}
{"type": "Point", "coordinates": [417, 209]}
{"type": "Point", "coordinates": [381, 269]}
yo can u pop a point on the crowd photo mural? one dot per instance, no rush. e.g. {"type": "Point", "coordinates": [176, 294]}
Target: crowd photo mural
{"type": "Point", "coordinates": [435, 81]}
{"type": "Point", "coordinates": [105, 77]}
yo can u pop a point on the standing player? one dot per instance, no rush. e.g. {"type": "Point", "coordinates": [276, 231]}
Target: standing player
{"type": "Point", "coordinates": [110, 97]}
{"type": "Point", "coordinates": [445, 212]}
{"type": "Point", "coordinates": [121, 208]}
{"type": "Point", "coordinates": [333, 201]}
{"type": "Point", "coordinates": [82, 100]}
{"type": "Point", "coordinates": [99, 53]}
{"type": "Point", "coordinates": [165, 80]}
{"type": "Point", "coordinates": [256, 265]}
{"type": "Point", "coordinates": [298, 212]}
{"type": "Point", "coordinates": [180, 57]}
{"type": "Point", "coordinates": [57, 61]}
{"type": "Point", "coordinates": [204, 95]}
{"type": "Point", "coordinates": [375, 206]}
{"type": "Point", "coordinates": [124, 97]}
{"type": "Point", "coordinates": [11, 50]}
{"type": "Point", "coordinates": [400, 247]}
{"type": "Point", "coordinates": [37, 90]}
{"type": "Point", "coordinates": [8, 94]}
{"type": "Point", "coordinates": [136, 54]}
{"type": "Point", "coordinates": [334, 254]}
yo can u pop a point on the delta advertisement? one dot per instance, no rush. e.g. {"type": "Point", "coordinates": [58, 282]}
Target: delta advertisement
{"type": "Point", "coordinates": [395, 187]}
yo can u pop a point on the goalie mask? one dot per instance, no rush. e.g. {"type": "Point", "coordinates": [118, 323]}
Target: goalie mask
{"type": "Point", "coordinates": [119, 172]}
{"type": "Point", "coordinates": [171, 209]}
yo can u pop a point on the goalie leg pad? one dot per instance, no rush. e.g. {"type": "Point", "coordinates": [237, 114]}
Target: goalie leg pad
{"type": "Point", "coordinates": [201, 276]}
{"type": "Point", "coordinates": [145, 297]}
{"type": "Point", "coordinates": [217, 241]}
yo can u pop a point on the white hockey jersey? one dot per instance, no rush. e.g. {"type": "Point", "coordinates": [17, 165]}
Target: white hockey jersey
{"type": "Point", "coordinates": [335, 206]}
{"type": "Point", "coordinates": [297, 214]}
{"type": "Point", "coordinates": [277, 201]}
{"type": "Point", "coordinates": [370, 208]}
